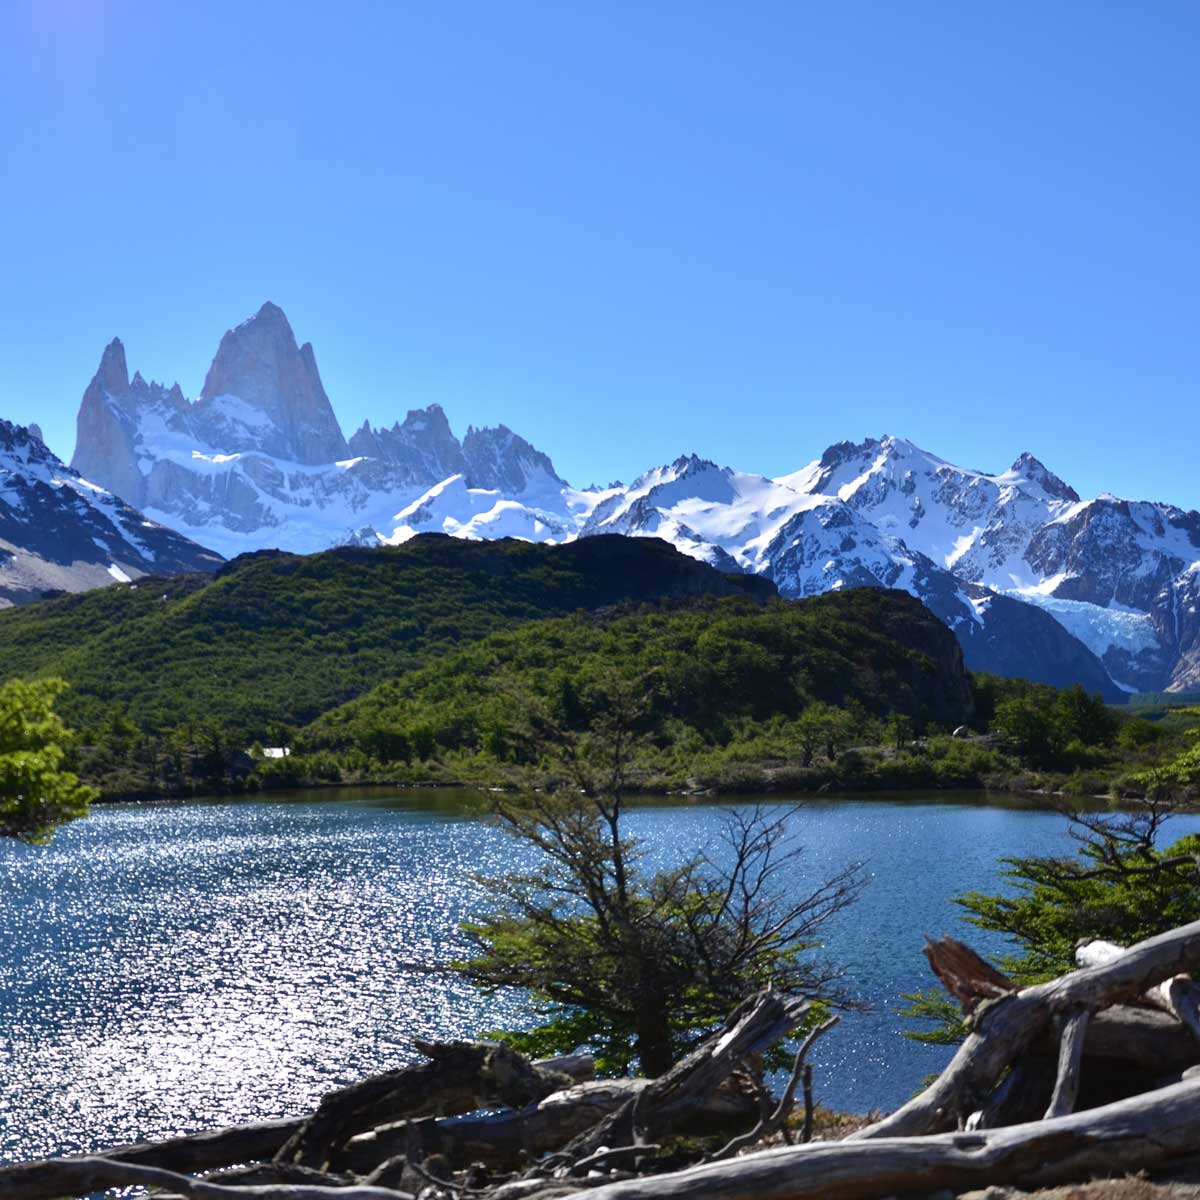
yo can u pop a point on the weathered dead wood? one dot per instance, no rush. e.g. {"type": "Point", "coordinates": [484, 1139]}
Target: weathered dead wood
{"type": "Point", "coordinates": [459, 1077]}
{"type": "Point", "coordinates": [77, 1176]}
{"type": "Point", "coordinates": [1022, 1096]}
{"type": "Point", "coordinates": [1144, 1132]}
{"type": "Point", "coordinates": [1070, 1055]}
{"type": "Point", "coordinates": [277, 1172]}
{"type": "Point", "coordinates": [1143, 1036]}
{"type": "Point", "coordinates": [499, 1139]}
{"type": "Point", "coordinates": [196, 1152]}
{"type": "Point", "coordinates": [211, 1150]}
{"type": "Point", "coordinates": [503, 1139]}
{"type": "Point", "coordinates": [1179, 996]}
{"type": "Point", "coordinates": [756, 1025]}
{"type": "Point", "coordinates": [969, 978]}
{"type": "Point", "coordinates": [1003, 1029]}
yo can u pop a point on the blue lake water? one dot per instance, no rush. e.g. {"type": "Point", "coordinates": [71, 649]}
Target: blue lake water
{"type": "Point", "coordinates": [173, 967]}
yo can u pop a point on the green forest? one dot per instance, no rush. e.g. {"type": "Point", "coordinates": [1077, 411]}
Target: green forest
{"type": "Point", "coordinates": [413, 665]}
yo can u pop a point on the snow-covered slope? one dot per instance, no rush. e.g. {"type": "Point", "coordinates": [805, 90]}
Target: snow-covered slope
{"type": "Point", "coordinates": [1118, 575]}
{"type": "Point", "coordinates": [59, 532]}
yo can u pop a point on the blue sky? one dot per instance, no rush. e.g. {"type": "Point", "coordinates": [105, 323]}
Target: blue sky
{"type": "Point", "coordinates": [630, 230]}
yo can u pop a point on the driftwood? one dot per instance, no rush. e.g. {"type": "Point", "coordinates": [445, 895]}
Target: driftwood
{"type": "Point", "coordinates": [775, 1120]}
{"type": "Point", "coordinates": [1144, 1132]}
{"type": "Point", "coordinates": [497, 1138]}
{"type": "Point", "coordinates": [212, 1150]}
{"type": "Point", "coordinates": [74, 1176]}
{"type": "Point", "coordinates": [1005, 1027]}
{"type": "Point", "coordinates": [459, 1077]}
{"type": "Point", "coordinates": [1042, 1086]}
{"type": "Point", "coordinates": [504, 1139]}
{"type": "Point", "coordinates": [1179, 996]}
{"type": "Point", "coordinates": [664, 1103]}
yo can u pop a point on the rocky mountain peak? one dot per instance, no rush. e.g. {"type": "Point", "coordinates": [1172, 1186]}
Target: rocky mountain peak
{"type": "Point", "coordinates": [112, 376]}
{"type": "Point", "coordinates": [260, 365]}
{"type": "Point", "coordinates": [1033, 469]}
{"type": "Point", "coordinates": [500, 460]}
{"type": "Point", "coordinates": [844, 452]}
{"type": "Point", "coordinates": [423, 446]}
{"type": "Point", "coordinates": [430, 421]}
{"type": "Point", "coordinates": [691, 464]}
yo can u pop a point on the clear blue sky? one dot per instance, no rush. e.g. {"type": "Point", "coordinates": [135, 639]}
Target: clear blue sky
{"type": "Point", "coordinates": [630, 230]}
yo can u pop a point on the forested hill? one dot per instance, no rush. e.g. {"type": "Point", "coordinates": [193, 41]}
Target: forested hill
{"type": "Point", "coordinates": [716, 669]}
{"type": "Point", "coordinates": [282, 638]}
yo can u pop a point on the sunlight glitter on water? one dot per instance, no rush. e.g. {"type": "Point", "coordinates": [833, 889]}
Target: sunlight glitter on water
{"type": "Point", "coordinates": [170, 968]}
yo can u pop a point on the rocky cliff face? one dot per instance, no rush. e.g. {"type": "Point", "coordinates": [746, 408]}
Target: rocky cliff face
{"type": "Point", "coordinates": [423, 447]}
{"type": "Point", "coordinates": [263, 393]}
{"type": "Point", "coordinates": [59, 532]}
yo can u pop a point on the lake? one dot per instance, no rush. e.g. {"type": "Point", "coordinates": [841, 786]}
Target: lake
{"type": "Point", "coordinates": [171, 967]}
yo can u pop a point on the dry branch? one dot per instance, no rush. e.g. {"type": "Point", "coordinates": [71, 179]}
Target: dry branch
{"type": "Point", "coordinates": [773, 1121]}
{"type": "Point", "coordinates": [459, 1077]}
{"type": "Point", "coordinates": [1070, 1056]}
{"type": "Point", "coordinates": [76, 1176]}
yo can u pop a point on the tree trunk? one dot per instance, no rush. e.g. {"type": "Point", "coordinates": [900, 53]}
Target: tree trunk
{"type": "Point", "coordinates": [654, 1037]}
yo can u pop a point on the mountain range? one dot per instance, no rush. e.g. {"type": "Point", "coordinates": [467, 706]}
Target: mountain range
{"type": "Point", "coordinates": [1033, 579]}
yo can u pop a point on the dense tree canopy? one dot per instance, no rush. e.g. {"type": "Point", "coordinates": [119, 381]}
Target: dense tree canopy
{"type": "Point", "coordinates": [36, 794]}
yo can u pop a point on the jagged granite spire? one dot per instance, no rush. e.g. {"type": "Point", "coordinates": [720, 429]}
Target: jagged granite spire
{"type": "Point", "coordinates": [504, 461]}
{"type": "Point", "coordinates": [284, 410]}
{"type": "Point", "coordinates": [106, 431]}
{"type": "Point", "coordinates": [424, 446]}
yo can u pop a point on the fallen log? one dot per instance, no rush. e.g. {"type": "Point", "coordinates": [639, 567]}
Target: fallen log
{"type": "Point", "coordinates": [1141, 1133]}
{"type": "Point", "coordinates": [503, 1139]}
{"type": "Point", "coordinates": [664, 1103]}
{"type": "Point", "coordinates": [77, 1176]}
{"type": "Point", "coordinates": [185, 1155]}
{"type": "Point", "coordinates": [500, 1138]}
{"type": "Point", "coordinates": [1179, 996]}
{"type": "Point", "coordinates": [459, 1077]}
{"type": "Point", "coordinates": [207, 1151]}
{"type": "Point", "coordinates": [1004, 1028]}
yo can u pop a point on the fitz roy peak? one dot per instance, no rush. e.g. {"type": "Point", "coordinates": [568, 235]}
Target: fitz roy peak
{"type": "Point", "coordinates": [259, 459]}
{"type": "Point", "coordinates": [59, 532]}
{"type": "Point", "coordinates": [1034, 580]}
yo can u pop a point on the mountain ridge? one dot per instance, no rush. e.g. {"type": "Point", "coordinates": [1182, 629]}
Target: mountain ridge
{"type": "Point", "coordinates": [1118, 579]}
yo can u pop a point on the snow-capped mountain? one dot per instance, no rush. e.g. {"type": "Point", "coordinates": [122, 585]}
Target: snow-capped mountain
{"type": "Point", "coordinates": [259, 459]}
{"type": "Point", "coordinates": [1032, 578]}
{"type": "Point", "coordinates": [1120, 576]}
{"type": "Point", "coordinates": [59, 532]}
